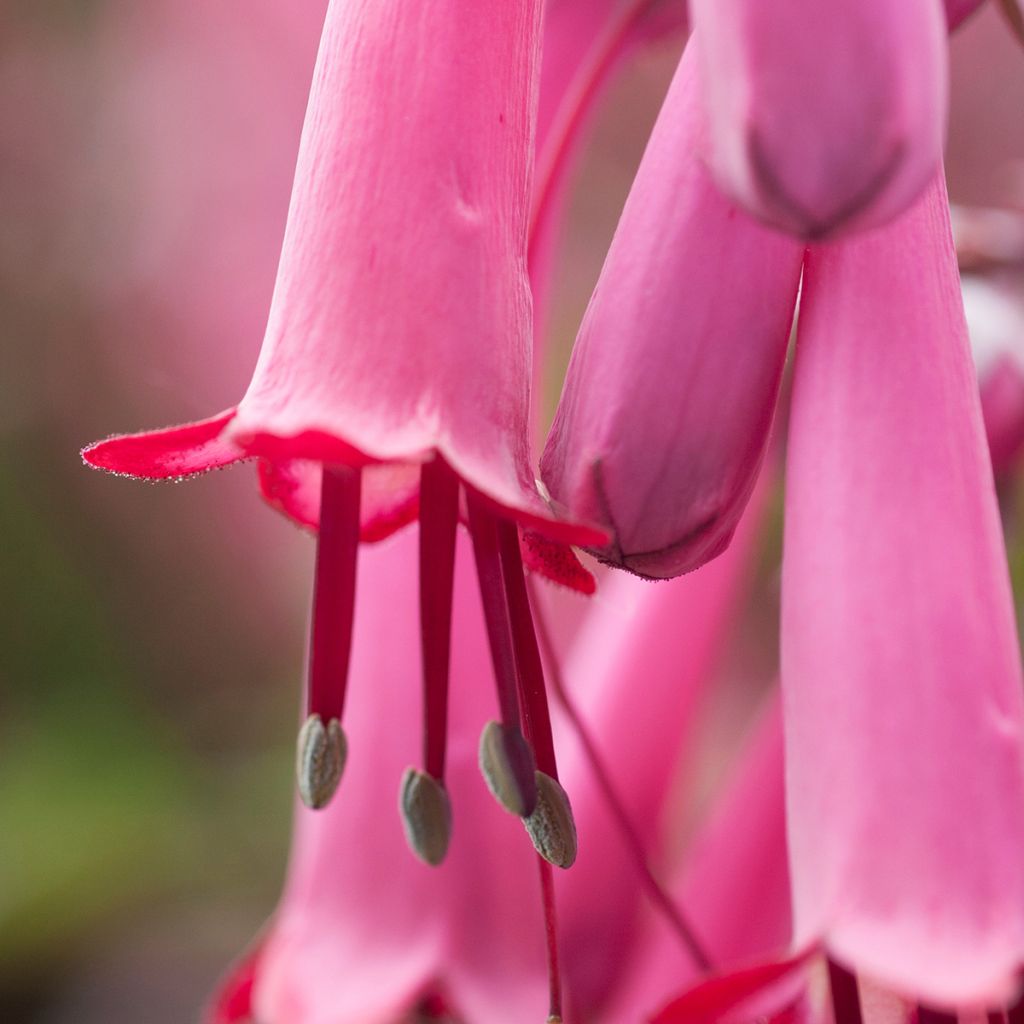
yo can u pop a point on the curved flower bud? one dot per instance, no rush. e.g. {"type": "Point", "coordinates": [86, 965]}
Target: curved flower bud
{"type": "Point", "coordinates": [824, 116]}
{"type": "Point", "coordinates": [672, 385]}
{"type": "Point", "coordinates": [901, 669]}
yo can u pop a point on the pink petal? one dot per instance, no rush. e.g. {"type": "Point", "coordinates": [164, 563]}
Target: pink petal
{"type": "Point", "coordinates": [233, 1002]}
{"type": "Point", "coordinates": [734, 886]}
{"type": "Point", "coordinates": [825, 115]}
{"type": "Point", "coordinates": [401, 318]}
{"type": "Point", "coordinates": [638, 668]}
{"type": "Point", "coordinates": [767, 993]}
{"type": "Point", "coordinates": [900, 662]}
{"type": "Point", "coordinates": [168, 454]}
{"type": "Point", "coordinates": [671, 390]}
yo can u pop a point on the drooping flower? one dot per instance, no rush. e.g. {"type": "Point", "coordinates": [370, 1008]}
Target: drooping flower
{"type": "Point", "coordinates": [904, 703]}
{"type": "Point", "coordinates": [394, 375]}
{"type": "Point", "coordinates": [823, 117]}
{"type": "Point", "coordinates": [671, 389]}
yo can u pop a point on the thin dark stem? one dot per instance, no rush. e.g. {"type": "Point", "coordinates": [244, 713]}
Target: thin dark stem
{"type": "Point", "coordinates": [439, 515]}
{"type": "Point", "coordinates": [656, 893]}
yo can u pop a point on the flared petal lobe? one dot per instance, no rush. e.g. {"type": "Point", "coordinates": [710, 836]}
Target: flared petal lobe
{"type": "Point", "coordinates": [900, 664]}
{"type": "Point", "coordinates": [672, 385]}
{"type": "Point", "coordinates": [825, 115]}
{"type": "Point", "coordinates": [401, 318]}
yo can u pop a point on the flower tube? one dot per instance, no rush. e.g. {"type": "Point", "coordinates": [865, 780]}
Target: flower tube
{"type": "Point", "coordinates": [900, 661]}
{"type": "Point", "coordinates": [672, 386]}
{"type": "Point", "coordinates": [824, 117]}
{"type": "Point", "coordinates": [394, 374]}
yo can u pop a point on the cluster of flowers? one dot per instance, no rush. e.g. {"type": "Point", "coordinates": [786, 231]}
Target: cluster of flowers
{"type": "Point", "coordinates": [797, 160]}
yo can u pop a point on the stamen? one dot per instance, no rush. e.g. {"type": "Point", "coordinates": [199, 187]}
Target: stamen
{"type": "Point", "coordinates": [322, 748]}
{"type": "Point", "coordinates": [845, 995]}
{"type": "Point", "coordinates": [655, 891]}
{"type": "Point", "coordinates": [547, 888]}
{"type": "Point", "coordinates": [320, 760]}
{"type": "Point", "coordinates": [529, 671]}
{"type": "Point", "coordinates": [426, 815]}
{"type": "Point", "coordinates": [505, 758]}
{"type": "Point", "coordinates": [506, 764]}
{"type": "Point", "coordinates": [551, 825]}
{"type": "Point", "coordinates": [439, 514]}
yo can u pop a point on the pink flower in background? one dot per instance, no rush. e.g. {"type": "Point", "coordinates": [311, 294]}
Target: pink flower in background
{"type": "Point", "coordinates": [366, 934]}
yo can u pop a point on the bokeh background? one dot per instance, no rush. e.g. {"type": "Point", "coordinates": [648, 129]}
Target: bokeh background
{"type": "Point", "coordinates": [151, 636]}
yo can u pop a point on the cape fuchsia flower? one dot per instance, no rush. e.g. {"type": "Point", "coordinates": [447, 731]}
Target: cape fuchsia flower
{"type": "Point", "coordinates": [671, 389]}
{"type": "Point", "coordinates": [394, 375]}
{"type": "Point", "coordinates": [906, 825]}
{"type": "Point", "coordinates": [823, 117]}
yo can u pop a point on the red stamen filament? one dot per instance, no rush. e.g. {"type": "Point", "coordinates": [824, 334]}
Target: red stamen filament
{"type": "Point", "coordinates": [659, 898]}
{"type": "Point", "coordinates": [547, 888]}
{"type": "Point", "coordinates": [530, 672]}
{"type": "Point", "coordinates": [334, 591]}
{"type": "Point", "coordinates": [483, 526]}
{"type": "Point", "coordinates": [439, 514]}
{"type": "Point", "coordinates": [845, 995]}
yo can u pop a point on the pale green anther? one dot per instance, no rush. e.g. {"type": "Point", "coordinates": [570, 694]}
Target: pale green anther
{"type": "Point", "coordinates": [551, 825]}
{"type": "Point", "coordinates": [320, 760]}
{"type": "Point", "coordinates": [426, 816]}
{"type": "Point", "coordinates": [506, 762]}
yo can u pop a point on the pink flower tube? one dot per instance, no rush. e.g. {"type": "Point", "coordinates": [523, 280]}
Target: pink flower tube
{"type": "Point", "coordinates": [900, 661]}
{"type": "Point", "coordinates": [672, 386]}
{"type": "Point", "coordinates": [825, 115]}
{"type": "Point", "coordinates": [394, 374]}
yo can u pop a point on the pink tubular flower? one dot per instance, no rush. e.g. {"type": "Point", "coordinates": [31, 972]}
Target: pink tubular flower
{"type": "Point", "coordinates": [901, 669]}
{"type": "Point", "coordinates": [394, 375]}
{"type": "Point", "coordinates": [671, 390]}
{"type": "Point", "coordinates": [915, 651]}
{"type": "Point", "coordinates": [824, 116]}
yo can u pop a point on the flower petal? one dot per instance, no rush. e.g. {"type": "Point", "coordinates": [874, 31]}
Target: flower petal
{"type": "Point", "coordinates": [900, 661]}
{"type": "Point", "coordinates": [768, 993]}
{"type": "Point", "coordinates": [168, 454]}
{"type": "Point", "coordinates": [638, 679]}
{"type": "Point", "coordinates": [671, 389]}
{"type": "Point", "coordinates": [825, 115]}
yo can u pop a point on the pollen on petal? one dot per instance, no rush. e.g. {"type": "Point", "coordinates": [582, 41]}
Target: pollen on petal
{"type": "Point", "coordinates": [426, 816]}
{"type": "Point", "coordinates": [508, 768]}
{"type": "Point", "coordinates": [168, 454]}
{"type": "Point", "coordinates": [320, 760]}
{"type": "Point", "coordinates": [551, 825]}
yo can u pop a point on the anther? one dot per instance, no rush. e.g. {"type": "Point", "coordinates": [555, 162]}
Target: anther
{"type": "Point", "coordinates": [551, 825]}
{"type": "Point", "coordinates": [508, 768]}
{"type": "Point", "coordinates": [426, 816]}
{"type": "Point", "coordinates": [320, 761]}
